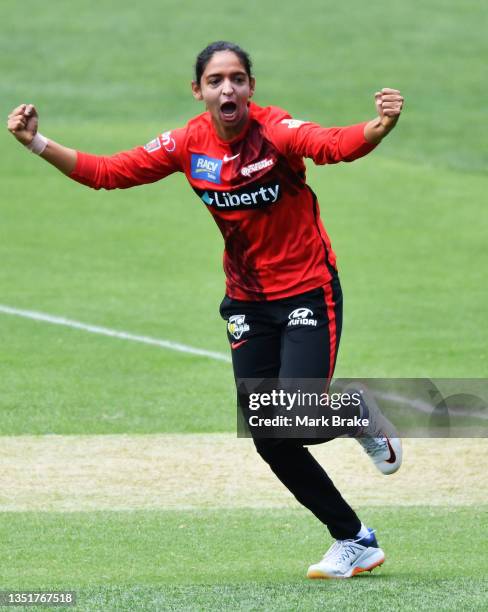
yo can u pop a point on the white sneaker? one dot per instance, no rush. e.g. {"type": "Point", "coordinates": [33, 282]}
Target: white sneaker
{"type": "Point", "coordinates": [346, 558]}
{"type": "Point", "coordinates": [379, 439]}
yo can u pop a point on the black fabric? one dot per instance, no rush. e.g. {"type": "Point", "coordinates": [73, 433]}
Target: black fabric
{"type": "Point", "coordinates": [267, 346]}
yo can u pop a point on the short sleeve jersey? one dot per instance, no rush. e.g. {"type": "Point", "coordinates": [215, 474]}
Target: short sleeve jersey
{"type": "Point", "coordinates": [255, 188]}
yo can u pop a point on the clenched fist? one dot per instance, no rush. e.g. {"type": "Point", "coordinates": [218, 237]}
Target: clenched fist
{"type": "Point", "coordinates": [22, 123]}
{"type": "Point", "coordinates": [389, 104]}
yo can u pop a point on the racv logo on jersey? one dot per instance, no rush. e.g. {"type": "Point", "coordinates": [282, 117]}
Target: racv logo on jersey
{"type": "Point", "coordinates": [255, 196]}
{"type": "Point", "coordinates": [206, 168]}
{"type": "Point", "coordinates": [301, 316]}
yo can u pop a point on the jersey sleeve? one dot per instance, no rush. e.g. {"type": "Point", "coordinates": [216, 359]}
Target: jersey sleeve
{"type": "Point", "coordinates": [322, 145]}
{"type": "Point", "coordinates": [144, 164]}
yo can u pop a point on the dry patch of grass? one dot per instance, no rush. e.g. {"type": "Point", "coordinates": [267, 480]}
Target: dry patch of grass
{"type": "Point", "coordinates": [169, 471]}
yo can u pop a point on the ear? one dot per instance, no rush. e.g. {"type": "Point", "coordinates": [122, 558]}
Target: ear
{"type": "Point", "coordinates": [197, 91]}
{"type": "Point", "coordinates": [252, 86]}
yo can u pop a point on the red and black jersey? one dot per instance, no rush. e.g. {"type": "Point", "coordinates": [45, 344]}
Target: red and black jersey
{"type": "Point", "coordinates": [255, 188]}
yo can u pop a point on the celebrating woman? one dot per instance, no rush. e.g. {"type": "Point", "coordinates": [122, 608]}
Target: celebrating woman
{"type": "Point", "coordinates": [283, 301]}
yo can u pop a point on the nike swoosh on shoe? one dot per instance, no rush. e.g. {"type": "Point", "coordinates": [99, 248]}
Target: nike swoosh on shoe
{"type": "Point", "coordinates": [392, 458]}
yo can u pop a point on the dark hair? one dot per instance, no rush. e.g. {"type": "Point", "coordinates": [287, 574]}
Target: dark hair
{"type": "Point", "coordinates": [221, 45]}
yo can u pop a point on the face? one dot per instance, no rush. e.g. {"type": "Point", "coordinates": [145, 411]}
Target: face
{"type": "Point", "coordinates": [226, 89]}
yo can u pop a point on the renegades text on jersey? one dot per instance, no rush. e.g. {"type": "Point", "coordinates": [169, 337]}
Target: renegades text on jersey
{"type": "Point", "coordinates": [254, 186]}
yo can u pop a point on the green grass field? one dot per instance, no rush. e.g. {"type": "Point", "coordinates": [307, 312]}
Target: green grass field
{"type": "Point", "coordinates": [408, 224]}
{"type": "Point", "coordinates": [195, 560]}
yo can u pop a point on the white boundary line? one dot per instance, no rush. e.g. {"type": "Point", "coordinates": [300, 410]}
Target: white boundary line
{"type": "Point", "coordinates": [425, 407]}
{"type": "Point", "coordinates": [418, 405]}
{"type": "Point", "coordinates": [113, 333]}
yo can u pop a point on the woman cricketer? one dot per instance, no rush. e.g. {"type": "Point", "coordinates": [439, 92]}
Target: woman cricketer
{"type": "Point", "coordinates": [283, 300]}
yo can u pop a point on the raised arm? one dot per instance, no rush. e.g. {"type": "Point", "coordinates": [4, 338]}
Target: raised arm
{"type": "Point", "coordinates": [137, 166]}
{"type": "Point", "coordinates": [330, 145]}
{"type": "Point", "coordinates": [23, 123]}
{"type": "Point", "coordinates": [389, 105]}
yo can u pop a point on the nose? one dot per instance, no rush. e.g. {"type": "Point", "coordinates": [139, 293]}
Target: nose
{"type": "Point", "coordinates": [227, 87]}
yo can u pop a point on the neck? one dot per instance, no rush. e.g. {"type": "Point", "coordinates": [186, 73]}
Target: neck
{"type": "Point", "coordinates": [228, 132]}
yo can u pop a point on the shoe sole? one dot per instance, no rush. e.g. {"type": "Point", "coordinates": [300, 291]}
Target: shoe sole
{"type": "Point", "coordinates": [318, 575]}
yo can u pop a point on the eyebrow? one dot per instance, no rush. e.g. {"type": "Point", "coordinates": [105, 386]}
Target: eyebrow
{"type": "Point", "coordinates": [217, 74]}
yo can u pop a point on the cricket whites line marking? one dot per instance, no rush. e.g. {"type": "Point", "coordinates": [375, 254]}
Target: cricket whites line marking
{"type": "Point", "coordinates": [113, 333]}
{"type": "Point", "coordinates": [418, 405]}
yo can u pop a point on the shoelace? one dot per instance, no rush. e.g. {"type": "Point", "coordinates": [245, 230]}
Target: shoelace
{"type": "Point", "coordinates": [342, 550]}
{"type": "Point", "coordinates": [374, 446]}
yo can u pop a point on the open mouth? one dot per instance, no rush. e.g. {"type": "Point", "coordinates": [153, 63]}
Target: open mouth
{"type": "Point", "coordinates": [229, 110]}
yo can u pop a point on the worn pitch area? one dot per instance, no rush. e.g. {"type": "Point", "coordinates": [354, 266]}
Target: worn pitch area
{"type": "Point", "coordinates": [171, 471]}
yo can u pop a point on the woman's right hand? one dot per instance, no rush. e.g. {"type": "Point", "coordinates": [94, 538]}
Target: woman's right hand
{"type": "Point", "coordinates": [23, 122]}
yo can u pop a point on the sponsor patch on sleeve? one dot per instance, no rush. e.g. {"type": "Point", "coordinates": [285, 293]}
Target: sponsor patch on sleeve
{"type": "Point", "coordinates": [153, 145]}
{"type": "Point", "coordinates": [293, 123]}
{"type": "Point", "coordinates": [166, 140]}
{"type": "Point", "coordinates": [169, 142]}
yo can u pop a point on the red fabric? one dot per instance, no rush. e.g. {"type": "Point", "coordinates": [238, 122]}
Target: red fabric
{"type": "Point", "coordinates": [330, 305]}
{"type": "Point", "coordinates": [275, 243]}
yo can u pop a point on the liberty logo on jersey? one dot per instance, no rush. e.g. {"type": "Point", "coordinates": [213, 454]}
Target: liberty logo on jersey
{"type": "Point", "coordinates": [261, 195]}
{"type": "Point", "coordinates": [206, 168]}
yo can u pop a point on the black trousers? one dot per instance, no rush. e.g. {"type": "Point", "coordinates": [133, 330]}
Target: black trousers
{"type": "Point", "coordinates": [276, 339]}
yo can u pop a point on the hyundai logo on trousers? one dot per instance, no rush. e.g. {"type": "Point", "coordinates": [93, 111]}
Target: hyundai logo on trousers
{"type": "Point", "coordinates": [301, 316]}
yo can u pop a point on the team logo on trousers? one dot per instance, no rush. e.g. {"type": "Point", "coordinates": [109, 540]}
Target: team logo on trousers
{"type": "Point", "coordinates": [301, 316]}
{"type": "Point", "coordinates": [237, 326]}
